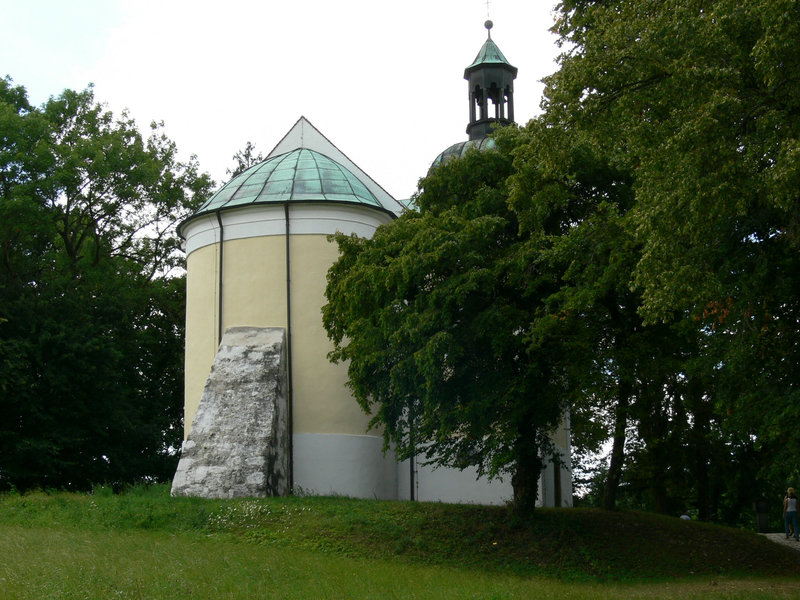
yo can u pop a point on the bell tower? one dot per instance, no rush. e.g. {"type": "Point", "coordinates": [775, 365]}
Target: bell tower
{"type": "Point", "coordinates": [491, 89]}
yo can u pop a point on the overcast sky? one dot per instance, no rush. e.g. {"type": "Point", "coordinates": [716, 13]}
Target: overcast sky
{"type": "Point", "coordinates": [382, 80]}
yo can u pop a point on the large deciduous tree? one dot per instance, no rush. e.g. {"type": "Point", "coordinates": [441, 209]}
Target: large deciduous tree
{"type": "Point", "coordinates": [91, 308]}
{"type": "Point", "coordinates": [574, 202]}
{"type": "Point", "coordinates": [640, 245]}
{"type": "Point", "coordinates": [699, 100]}
{"type": "Point", "coordinates": [433, 317]}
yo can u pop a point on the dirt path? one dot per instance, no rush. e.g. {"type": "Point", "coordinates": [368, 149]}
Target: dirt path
{"type": "Point", "coordinates": [780, 538]}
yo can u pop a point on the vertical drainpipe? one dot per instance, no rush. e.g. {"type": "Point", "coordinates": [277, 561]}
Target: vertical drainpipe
{"type": "Point", "coordinates": [413, 457]}
{"type": "Point", "coordinates": [411, 478]}
{"type": "Point", "coordinates": [219, 291]}
{"type": "Point", "coordinates": [290, 425]}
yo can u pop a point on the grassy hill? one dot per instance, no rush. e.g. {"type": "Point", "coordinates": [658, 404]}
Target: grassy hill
{"type": "Point", "coordinates": [333, 536]}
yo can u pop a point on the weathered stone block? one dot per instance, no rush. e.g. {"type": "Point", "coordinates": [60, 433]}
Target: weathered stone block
{"type": "Point", "coordinates": [239, 442]}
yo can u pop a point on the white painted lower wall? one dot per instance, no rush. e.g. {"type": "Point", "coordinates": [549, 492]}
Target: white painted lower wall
{"type": "Point", "coordinates": [347, 465]}
{"type": "Point", "coordinates": [548, 482]}
{"type": "Point", "coordinates": [444, 484]}
{"type": "Point", "coordinates": [355, 466]}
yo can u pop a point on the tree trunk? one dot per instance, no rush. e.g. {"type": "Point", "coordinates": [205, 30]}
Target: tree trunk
{"type": "Point", "coordinates": [525, 480]}
{"type": "Point", "coordinates": [658, 484]}
{"type": "Point", "coordinates": [618, 447]}
{"type": "Point", "coordinates": [654, 432]}
{"type": "Point", "coordinates": [700, 408]}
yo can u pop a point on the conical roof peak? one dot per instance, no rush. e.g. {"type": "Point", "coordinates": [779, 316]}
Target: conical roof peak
{"type": "Point", "coordinates": [489, 54]}
{"type": "Point", "coordinates": [303, 167]}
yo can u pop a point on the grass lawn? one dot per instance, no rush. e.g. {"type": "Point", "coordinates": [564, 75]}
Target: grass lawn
{"type": "Point", "coordinates": [144, 544]}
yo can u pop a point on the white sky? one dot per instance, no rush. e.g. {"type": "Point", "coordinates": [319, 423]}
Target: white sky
{"type": "Point", "coordinates": [383, 81]}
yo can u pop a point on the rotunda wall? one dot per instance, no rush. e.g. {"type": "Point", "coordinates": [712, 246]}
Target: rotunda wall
{"type": "Point", "coordinates": [254, 293]}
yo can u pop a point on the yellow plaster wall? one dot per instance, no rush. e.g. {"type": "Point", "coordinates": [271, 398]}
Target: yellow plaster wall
{"type": "Point", "coordinates": [559, 437]}
{"type": "Point", "coordinates": [201, 326]}
{"type": "Point", "coordinates": [322, 403]}
{"type": "Point", "coordinates": [254, 282]}
{"type": "Point", "coordinates": [254, 294]}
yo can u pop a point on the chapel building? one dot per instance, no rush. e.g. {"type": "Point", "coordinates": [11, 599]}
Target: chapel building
{"type": "Point", "coordinates": [257, 256]}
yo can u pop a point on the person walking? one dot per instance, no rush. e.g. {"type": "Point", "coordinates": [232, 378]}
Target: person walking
{"type": "Point", "coordinates": [790, 513]}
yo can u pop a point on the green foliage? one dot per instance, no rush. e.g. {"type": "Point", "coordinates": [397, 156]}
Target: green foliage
{"type": "Point", "coordinates": [91, 312]}
{"type": "Point", "coordinates": [695, 102]}
{"type": "Point", "coordinates": [700, 98]}
{"type": "Point", "coordinates": [432, 315]}
{"type": "Point", "coordinates": [245, 159]}
{"type": "Point", "coordinates": [632, 254]}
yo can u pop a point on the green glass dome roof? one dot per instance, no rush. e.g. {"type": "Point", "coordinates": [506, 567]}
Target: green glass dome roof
{"type": "Point", "coordinates": [460, 149]}
{"type": "Point", "coordinates": [296, 176]}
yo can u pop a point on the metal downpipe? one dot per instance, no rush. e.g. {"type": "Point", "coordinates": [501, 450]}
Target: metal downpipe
{"type": "Point", "coordinates": [289, 392]}
{"type": "Point", "coordinates": [219, 290]}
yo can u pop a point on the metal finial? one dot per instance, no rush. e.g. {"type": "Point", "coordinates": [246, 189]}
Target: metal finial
{"type": "Point", "coordinates": [489, 26]}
